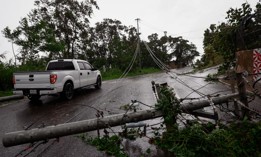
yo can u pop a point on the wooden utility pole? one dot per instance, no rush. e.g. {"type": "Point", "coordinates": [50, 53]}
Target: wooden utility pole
{"type": "Point", "coordinates": [138, 48]}
{"type": "Point", "coordinates": [242, 93]}
{"type": "Point", "coordinates": [38, 134]}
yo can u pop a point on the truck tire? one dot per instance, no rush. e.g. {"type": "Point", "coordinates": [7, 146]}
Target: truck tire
{"type": "Point", "coordinates": [68, 91]}
{"type": "Point", "coordinates": [33, 97]}
{"type": "Point", "coordinates": [98, 83]}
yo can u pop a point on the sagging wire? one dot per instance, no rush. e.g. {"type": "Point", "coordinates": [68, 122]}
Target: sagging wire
{"type": "Point", "coordinates": [150, 106]}
{"type": "Point", "coordinates": [183, 83]}
{"type": "Point", "coordinates": [127, 70]}
{"type": "Point", "coordinates": [163, 67]}
{"type": "Point", "coordinates": [216, 111]}
{"type": "Point", "coordinates": [98, 114]}
{"type": "Point", "coordinates": [43, 142]}
{"type": "Point", "coordinates": [256, 91]}
{"type": "Point", "coordinates": [193, 91]}
{"type": "Point", "coordinates": [35, 145]}
{"type": "Point", "coordinates": [192, 76]}
{"type": "Point", "coordinates": [250, 109]}
{"type": "Point", "coordinates": [48, 147]}
{"type": "Point", "coordinates": [228, 111]}
{"type": "Point", "coordinates": [216, 94]}
{"type": "Point", "coordinates": [25, 149]}
{"type": "Point", "coordinates": [32, 145]}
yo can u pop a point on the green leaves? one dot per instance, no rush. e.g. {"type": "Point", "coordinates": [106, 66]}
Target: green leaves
{"type": "Point", "coordinates": [184, 52]}
{"type": "Point", "coordinates": [169, 105]}
{"type": "Point", "coordinates": [53, 27]}
{"type": "Point", "coordinates": [199, 140]}
{"type": "Point", "coordinates": [240, 32]}
{"type": "Point", "coordinates": [111, 145]}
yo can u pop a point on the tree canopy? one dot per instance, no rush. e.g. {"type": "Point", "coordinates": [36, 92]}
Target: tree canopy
{"type": "Point", "coordinates": [55, 27]}
{"type": "Point", "coordinates": [60, 29]}
{"type": "Point", "coordinates": [241, 31]}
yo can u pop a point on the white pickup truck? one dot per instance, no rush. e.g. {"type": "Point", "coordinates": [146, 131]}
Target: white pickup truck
{"type": "Point", "coordinates": [62, 76]}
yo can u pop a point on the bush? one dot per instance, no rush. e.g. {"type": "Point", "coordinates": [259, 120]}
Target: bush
{"type": "Point", "coordinates": [6, 74]}
{"type": "Point", "coordinates": [7, 70]}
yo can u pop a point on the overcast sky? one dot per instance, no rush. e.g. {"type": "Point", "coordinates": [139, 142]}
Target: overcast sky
{"type": "Point", "coordinates": [187, 18]}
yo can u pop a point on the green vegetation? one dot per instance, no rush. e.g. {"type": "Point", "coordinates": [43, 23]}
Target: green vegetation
{"type": "Point", "coordinates": [116, 73]}
{"type": "Point", "coordinates": [240, 32]}
{"type": "Point", "coordinates": [212, 77]}
{"type": "Point", "coordinates": [55, 30]}
{"type": "Point", "coordinates": [7, 70]}
{"type": "Point", "coordinates": [6, 93]}
{"type": "Point", "coordinates": [169, 105]}
{"type": "Point", "coordinates": [195, 139]}
{"type": "Point", "coordinates": [203, 140]}
{"type": "Point", "coordinates": [111, 145]}
{"type": "Point", "coordinates": [200, 140]}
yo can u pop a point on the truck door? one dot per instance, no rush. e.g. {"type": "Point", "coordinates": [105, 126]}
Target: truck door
{"type": "Point", "coordinates": [83, 75]}
{"type": "Point", "coordinates": [91, 74]}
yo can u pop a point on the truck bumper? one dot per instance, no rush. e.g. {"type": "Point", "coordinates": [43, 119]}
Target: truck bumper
{"type": "Point", "coordinates": [35, 91]}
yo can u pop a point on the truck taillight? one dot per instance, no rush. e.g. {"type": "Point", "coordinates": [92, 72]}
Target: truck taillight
{"type": "Point", "coordinates": [13, 79]}
{"type": "Point", "coordinates": [53, 78]}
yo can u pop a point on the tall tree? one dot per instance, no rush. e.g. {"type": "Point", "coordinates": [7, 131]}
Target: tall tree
{"type": "Point", "coordinates": [183, 51]}
{"type": "Point", "coordinates": [55, 27]}
{"type": "Point", "coordinates": [240, 32]}
{"type": "Point", "coordinates": [113, 43]}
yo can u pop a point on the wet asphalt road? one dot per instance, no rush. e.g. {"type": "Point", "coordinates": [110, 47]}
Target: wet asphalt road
{"type": "Point", "coordinates": [23, 114]}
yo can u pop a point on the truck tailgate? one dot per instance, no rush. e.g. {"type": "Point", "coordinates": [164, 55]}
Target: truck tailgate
{"type": "Point", "coordinates": [31, 80]}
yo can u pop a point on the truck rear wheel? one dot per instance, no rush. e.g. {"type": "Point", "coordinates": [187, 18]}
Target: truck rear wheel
{"type": "Point", "coordinates": [68, 91]}
{"type": "Point", "coordinates": [33, 97]}
{"type": "Point", "coordinates": [98, 83]}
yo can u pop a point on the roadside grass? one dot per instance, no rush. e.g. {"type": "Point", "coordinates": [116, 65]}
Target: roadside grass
{"type": "Point", "coordinates": [6, 93]}
{"type": "Point", "coordinates": [116, 73]}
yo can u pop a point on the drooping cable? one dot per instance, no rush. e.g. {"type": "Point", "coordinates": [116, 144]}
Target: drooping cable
{"type": "Point", "coordinates": [173, 75]}
{"type": "Point", "coordinates": [127, 70]}
{"type": "Point", "coordinates": [157, 60]}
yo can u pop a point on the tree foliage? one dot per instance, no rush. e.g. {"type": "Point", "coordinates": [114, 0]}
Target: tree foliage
{"type": "Point", "coordinates": [112, 44]}
{"type": "Point", "coordinates": [241, 31]}
{"type": "Point", "coordinates": [169, 48]}
{"type": "Point", "coordinates": [184, 52]}
{"type": "Point", "coordinates": [57, 29]}
{"type": "Point", "coordinates": [54, 27]}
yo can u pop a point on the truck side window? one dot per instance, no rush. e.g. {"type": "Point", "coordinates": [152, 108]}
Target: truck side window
{"type": "Point", "coordinates": [81, 66]}
{"type": "Point", "coordinates": [87, 66]}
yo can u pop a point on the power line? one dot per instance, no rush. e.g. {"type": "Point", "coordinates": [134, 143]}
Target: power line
{"type": "Point", "coordinates": [174, 34]}
{"type": "Point", "coordinates": [173, 75]}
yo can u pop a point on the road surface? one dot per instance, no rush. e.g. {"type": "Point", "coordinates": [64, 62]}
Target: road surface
{"type": "Point", "coordinates": [111, 99]}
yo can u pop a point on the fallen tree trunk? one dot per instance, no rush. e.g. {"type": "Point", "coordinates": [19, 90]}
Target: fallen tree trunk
{"type": "Point", "coordinates": [38, 134]}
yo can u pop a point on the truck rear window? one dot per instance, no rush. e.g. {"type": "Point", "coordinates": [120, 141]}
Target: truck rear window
{"type": "Point", "coordinates": [64, 65]}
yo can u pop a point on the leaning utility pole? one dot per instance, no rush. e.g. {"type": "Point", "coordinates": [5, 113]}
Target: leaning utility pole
{"type": "Point", "coordinates": [138, 46]}
{"type": "Point", "coordinates": [60, 130]}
